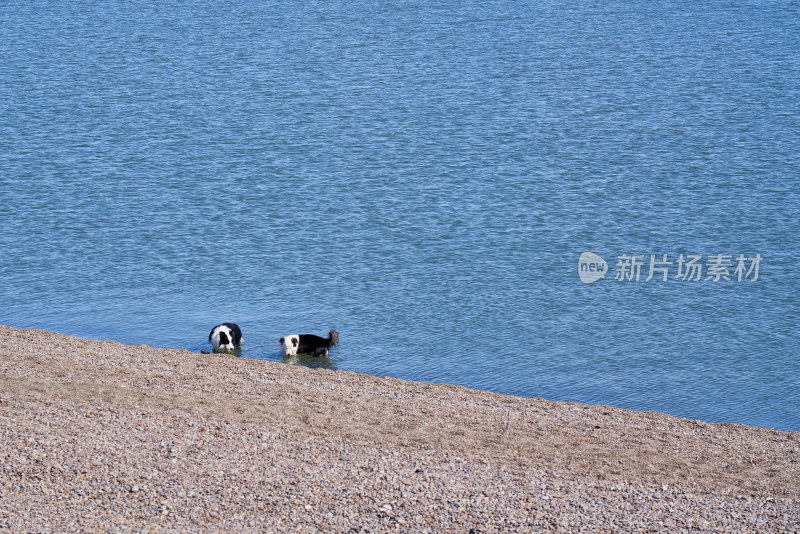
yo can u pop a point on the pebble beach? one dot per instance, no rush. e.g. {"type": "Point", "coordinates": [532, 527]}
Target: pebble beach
{"type": "Point", "coordinates": [103, 437]}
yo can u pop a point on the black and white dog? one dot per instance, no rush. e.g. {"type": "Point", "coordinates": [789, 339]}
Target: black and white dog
{"type": "Point", "coordinates": [225, 337]}
{"type": "Point", "coordinates": [309, 344]}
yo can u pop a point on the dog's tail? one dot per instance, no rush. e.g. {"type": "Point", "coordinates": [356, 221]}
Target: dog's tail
{"type": "Point", "coordinates": [334, 338]}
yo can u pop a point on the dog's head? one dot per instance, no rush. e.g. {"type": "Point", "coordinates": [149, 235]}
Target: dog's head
{"type": "Point", "coordinates": [222, 339]}
{"type": "Point", "coordinates": [289, 344]}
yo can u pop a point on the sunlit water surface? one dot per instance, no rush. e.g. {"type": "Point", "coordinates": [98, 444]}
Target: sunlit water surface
{"type": "Point", "coordinates": [423, 177]}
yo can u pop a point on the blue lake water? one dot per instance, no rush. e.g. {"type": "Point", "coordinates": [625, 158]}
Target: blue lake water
{"type": "Point", "coordinates": [423, 177]}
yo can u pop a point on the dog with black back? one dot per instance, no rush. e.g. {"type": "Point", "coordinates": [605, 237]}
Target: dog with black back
{"type": "Point", "coordinates": [309, 344]}
{"type": "Point", "coordinates": [225, 337]}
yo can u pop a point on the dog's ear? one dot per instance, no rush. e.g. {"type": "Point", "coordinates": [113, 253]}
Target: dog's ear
{"type": "Point", "coordinates": [280, 340]}
{"type": "Point", "coordinates": [295, 341]}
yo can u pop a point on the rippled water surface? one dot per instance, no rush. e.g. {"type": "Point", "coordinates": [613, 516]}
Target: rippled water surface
{"type": "Point", "coordinates": [423, 177]}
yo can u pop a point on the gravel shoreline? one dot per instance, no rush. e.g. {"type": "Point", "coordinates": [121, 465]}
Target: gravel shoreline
{"type": "Point", "coordinates": [103, 437]}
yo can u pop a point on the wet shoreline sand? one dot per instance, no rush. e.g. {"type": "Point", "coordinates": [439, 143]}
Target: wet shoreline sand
{"type": "Point", "coordinates": [104, 437]}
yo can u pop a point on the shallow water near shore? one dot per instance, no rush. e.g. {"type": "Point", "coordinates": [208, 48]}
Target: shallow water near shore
{"type": "Point", "coordinates": [424, 179]}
